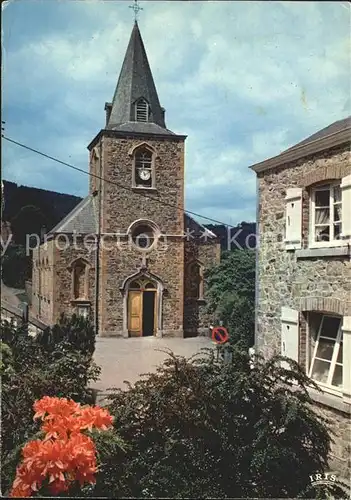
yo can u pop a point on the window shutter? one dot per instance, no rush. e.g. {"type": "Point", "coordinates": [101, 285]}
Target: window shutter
{"type": "Point", "coordinates": [346, 207]}
{"type": "Point", "coordinates": [289, 334]}
{"type": "Point", "coordinates": [346, 360]}
{"type": "Point", "coordinates": [293, 218]}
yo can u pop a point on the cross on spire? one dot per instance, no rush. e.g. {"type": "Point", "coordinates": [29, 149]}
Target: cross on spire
{"type": "Point", "coordinates": [136, 9]}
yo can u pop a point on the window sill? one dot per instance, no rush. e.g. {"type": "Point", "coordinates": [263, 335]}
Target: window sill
{"type": "Point", "coordinates": [144, 188]}
{"type": "Point", "coordinates": [310, 253]}
{"type": "Point", "coordinates": [330, 400]}
{"type": "Point", "coordinates": [82, 302]}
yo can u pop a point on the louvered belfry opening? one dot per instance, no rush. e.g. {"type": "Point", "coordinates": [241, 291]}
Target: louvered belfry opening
{"type": "Point", "coordinates": [143, 159]}
{"type": "Point", "coordinates": [142, 111]}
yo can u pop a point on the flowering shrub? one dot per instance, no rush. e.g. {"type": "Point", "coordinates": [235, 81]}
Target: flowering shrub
{"type": "Point", "coordinates": [65, 455]}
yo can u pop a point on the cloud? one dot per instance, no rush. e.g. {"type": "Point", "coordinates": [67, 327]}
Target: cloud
{"type": "Point", "coordinates": [243, 81]}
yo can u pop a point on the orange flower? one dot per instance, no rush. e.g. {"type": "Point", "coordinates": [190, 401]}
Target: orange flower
{"type": "Point", "coordinates": [65, 454]}
{"type": "Point", "coordinates": [54, 406]}
{"type": "Point", "coordinates": [94, 416]}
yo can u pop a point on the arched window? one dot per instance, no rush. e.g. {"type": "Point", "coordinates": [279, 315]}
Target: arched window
{"type": "Point", "coordinates": [79, 270]}
{"type": "Point", "coordinates": [142, 110]}
{"type": "Point", "coordinates": [195, 280]}
{"type": "Point", "coordinates": [142, 284]}
{"type": "Point", "coordinates": [143, 168]}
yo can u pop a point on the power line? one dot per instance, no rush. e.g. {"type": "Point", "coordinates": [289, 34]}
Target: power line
{"type": "Point", "coordinates": [113, 182]}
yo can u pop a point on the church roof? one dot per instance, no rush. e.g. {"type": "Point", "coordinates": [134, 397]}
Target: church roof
{"type": "Point", "coordinates": [135, 82]}
{"type": "Point", "coordinates": [196, 229]}
{"type": "Point", "coordinates": [81, 220]}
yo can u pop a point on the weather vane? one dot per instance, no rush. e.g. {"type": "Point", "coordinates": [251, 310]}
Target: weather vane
{"type": "Point", "coordinates": [136, 9]}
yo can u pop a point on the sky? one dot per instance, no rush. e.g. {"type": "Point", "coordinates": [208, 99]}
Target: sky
{"type": "Point", "coordinates": [243, 80]}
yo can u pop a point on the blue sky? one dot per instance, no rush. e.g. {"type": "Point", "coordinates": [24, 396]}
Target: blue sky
{"type": "Point", "coordinates": [244, 81]}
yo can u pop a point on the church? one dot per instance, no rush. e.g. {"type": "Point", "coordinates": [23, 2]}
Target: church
{"type": "Point", "coordinates": [128, 256]}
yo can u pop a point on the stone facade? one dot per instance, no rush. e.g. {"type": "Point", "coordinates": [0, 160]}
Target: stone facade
{"type": "Point", "coordinates": [168, 262]}
{"type": "Point", "coordinates": [307, 280]}
{"type": "Point", "coordinates": [283, 279]}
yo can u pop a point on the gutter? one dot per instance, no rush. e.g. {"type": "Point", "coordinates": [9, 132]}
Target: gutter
{"type": "Point", "coordinates": [328, 142]}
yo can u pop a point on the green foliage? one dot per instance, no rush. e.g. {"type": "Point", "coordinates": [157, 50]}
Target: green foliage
{"type": "Point", "coordinates": [16, 266]}
{"type": "Point", "coordinates": [54, 364]}
{"type": "Point", "coordinates": [77, 331]}
{"type": "Point", "coordinates": [231, 295]}
{"type": "Point", "coordinates": [29, 220]}
{"type": "Point", "coordinates": [202, 428]}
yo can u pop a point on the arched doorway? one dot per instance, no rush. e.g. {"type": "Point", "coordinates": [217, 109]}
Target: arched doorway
{"type": "Point", "coordinates": [142, 310]}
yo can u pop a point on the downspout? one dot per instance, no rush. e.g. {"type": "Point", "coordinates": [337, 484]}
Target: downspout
{"type": "Point", "coordinates": [97, 253]}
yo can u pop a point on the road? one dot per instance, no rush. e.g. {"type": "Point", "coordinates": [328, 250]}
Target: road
{"type": "Point", "coordinates": [125, 359]}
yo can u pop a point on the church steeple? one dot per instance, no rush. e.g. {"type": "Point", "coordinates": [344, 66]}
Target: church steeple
{"type": "Point", "coordinates": [135, 105]}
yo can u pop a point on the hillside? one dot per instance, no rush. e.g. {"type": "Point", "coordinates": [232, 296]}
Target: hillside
{"type": "Point", "coordinates": [28, 209]}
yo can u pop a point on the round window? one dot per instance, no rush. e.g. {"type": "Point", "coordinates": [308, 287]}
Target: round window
{"type": "Point", "coordinates": [143, 236]}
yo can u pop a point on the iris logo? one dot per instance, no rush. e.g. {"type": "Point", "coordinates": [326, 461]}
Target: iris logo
{"type": "Point", "coordinates": [326, 478]}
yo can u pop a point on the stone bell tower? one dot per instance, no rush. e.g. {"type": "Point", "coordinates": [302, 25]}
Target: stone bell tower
{"type": "Point", "coordinates": [141, 207]}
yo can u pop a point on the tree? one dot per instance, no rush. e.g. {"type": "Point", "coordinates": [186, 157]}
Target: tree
{"type": "Point", "coordinates": [203, 428]}
{"type": "Point", "coordinates": [16, 266]}
{"type": "Point", "coordinates": [231, 295]}
{"type": "Point", "coordinates": [29, 220]}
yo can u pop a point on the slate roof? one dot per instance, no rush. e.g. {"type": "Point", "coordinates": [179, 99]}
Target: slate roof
{"type": "Point", "coordinates": [198, 229]}
{"type": "Point", "coordinates": [135, 81]}
{"type": "Point", "coordinates": [335, 127]}
{"type": "Point", "coordinates": [81, 220]}
{"type": "Point", "coordinates": [142, 127]}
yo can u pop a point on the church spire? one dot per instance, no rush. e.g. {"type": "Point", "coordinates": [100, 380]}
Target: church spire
{"type": "Point", "coordinates": [135, 99]}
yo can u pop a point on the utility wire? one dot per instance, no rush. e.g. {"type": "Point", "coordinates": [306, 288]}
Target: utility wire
{"type": "Point", "coordinates": [113, 182]}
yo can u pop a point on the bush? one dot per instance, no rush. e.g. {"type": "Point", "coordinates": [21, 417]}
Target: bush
{"type": "Point", "coordinates": [50, 365]}
{"type": "Point", "coordinates": [202, 428]}
{"type": "Point", "coordinates": [76, 331]}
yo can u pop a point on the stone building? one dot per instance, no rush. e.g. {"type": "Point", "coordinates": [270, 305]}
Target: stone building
{"type": "Point", "coordinates": [304, 270]}
{"type": "Point", "coordinates": [127, 255]}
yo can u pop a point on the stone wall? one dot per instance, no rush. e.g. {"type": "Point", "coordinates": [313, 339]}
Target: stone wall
{"type": "Point", "coordinates": [121, 207]}
{"type": "Point", "coordinates": [340, 427]}
{"type": "Point", "coordinates": [294, 279]}
{"type": "Point", "coordinates": [43, 282]}
{"type": "Point", "coordinates": [65, 255]}
{"type": "Point", "coordinates": [205, 251]}
{"type": "Point", "coordinates": [52, 278]}
{"type": "Point", "coordinates": [283, 279]}
{"type": "Point", "coordinates": [120, 262]}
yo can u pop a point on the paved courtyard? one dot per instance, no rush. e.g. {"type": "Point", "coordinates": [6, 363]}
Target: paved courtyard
{"type": "Point", "coordinates": [125, 359]}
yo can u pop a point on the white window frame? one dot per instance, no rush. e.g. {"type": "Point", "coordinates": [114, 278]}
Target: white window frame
{"type": "Point", "coordinates": [333, 242]}
{"type": "Point", "coordinates": [327, 387]}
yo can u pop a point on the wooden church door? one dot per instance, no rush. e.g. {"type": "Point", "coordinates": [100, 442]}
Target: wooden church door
{"type": "Point", "coordinates": [135, 308]}
{"type": "Point", "coordinates": [142, 308]}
